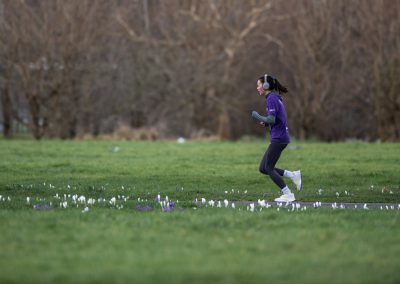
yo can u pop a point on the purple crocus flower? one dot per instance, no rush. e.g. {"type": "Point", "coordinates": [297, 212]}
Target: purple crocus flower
{"type": "Point", "coordinates": [138, 208]}
{"type": "Point", "coordinates": [147, 208]}
{"type": "Point", "coordinates": [165, 209]}
{"type": "Point", "coordinates": [172, 204]}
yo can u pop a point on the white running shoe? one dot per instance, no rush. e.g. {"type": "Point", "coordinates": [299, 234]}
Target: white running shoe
{"type": "Point", "coordinates": [286, 198]}
{"type": "Point", "coordinates": [297, 179]}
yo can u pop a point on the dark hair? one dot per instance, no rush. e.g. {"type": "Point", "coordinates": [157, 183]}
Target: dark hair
{"type": "Point", "coordinates": [274, 84]}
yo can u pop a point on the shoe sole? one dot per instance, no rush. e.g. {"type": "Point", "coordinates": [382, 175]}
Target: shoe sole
{"type": "Point", "coordinates": [285, 201]}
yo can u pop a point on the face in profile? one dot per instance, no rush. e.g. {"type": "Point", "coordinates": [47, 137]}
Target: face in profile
{"type": "Point", "coordinates": [260, 88]}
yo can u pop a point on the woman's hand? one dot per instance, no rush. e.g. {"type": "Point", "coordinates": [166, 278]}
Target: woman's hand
{"type": "Point", "coordinates": [254, 114]}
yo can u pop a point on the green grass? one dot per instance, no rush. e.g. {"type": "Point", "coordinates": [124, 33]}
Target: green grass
{"type": "Point", "coordinates": [202, 169]}
{"type": "Point", "coordinates": [214, 245]}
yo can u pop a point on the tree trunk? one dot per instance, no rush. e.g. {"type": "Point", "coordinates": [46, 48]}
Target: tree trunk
{"type": "Point", "coordinates": [7, 113]}
{"type": "Point", "coordinates": [224, 127]}
{"type": "Point", "coordinates": [35, 125]}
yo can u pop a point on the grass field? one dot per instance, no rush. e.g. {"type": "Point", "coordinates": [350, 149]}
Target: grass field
{"type": "Point", "coordinates": [111, 244]}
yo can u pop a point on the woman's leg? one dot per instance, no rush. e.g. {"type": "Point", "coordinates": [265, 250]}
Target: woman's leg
{"type": "Point", "coordinates": [267, 165]}
{"type": "Point", "coordinates": [294, 176]}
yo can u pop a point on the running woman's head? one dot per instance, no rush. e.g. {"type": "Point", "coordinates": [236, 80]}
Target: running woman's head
{"type": "Point", "coordinates": [274, 85]}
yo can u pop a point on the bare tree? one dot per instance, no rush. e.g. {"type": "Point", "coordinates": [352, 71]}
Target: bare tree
{"type": "Point", "coordinates": [309, 56]}
{"type": "Point", "coordinates": [190, 67]}
{"type": "Point", "coordinates": [381, 42]}
{"type": "Point", "coordinates": [55, 43]}
{"type": "Point", "coordinates": [197, 48]}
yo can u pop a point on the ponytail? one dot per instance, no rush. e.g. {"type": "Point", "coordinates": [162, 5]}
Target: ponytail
{"type": "Point", "coordinates": [280, 88]}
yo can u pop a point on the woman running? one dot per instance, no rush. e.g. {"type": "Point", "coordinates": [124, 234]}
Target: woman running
{"type": "Point", "coordinates": [269, 87]}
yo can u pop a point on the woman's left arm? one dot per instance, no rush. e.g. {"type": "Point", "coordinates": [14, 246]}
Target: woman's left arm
{"type": "Point", "coordinates": [270, 119]}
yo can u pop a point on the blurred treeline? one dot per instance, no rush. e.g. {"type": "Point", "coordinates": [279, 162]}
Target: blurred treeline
{"type": "Point", "coordinates": [189, 68]}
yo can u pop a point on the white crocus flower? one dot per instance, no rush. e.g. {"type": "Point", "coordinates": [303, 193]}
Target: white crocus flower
{"type": "Point", "coordinates": [203, 200]}
{"type": "Point", "coordinates": [226, 202]}
{"type": "Point", "coordinates": [85, 210]}
{"type": "Point", "coordinates": [82, 199]}
{"type": "Point", "coordinates": [252, 207]}
{"type": "Point", "coordinates": [365, 206]}
{"type": "Point", "coordinates": [112, 201]}
{"type": "Point", "coordinates": [219, 204]}
{"type": "Point", "coordinates": [27, 200]}
{"type": "Point", "coordinates": [211, 203]}
{"type": "Point", "coordinates": [233, 205]}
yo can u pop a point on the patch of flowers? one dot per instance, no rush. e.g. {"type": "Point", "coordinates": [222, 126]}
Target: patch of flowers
{"type": "Point", "coordinates": [41, 207]}
{"type": "Point", "coordinates": [70, 200]}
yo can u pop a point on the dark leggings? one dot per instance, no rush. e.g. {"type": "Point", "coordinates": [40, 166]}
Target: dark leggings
{"type": "Point", "coordinates": [267, 165]}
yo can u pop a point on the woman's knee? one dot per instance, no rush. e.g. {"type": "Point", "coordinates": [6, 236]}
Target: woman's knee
{"type": "Point", "coordinates": [264, 169]}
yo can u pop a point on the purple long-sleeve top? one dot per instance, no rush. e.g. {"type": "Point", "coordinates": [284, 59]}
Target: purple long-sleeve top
{"type": "Point", "coordinates": [279, 130]}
